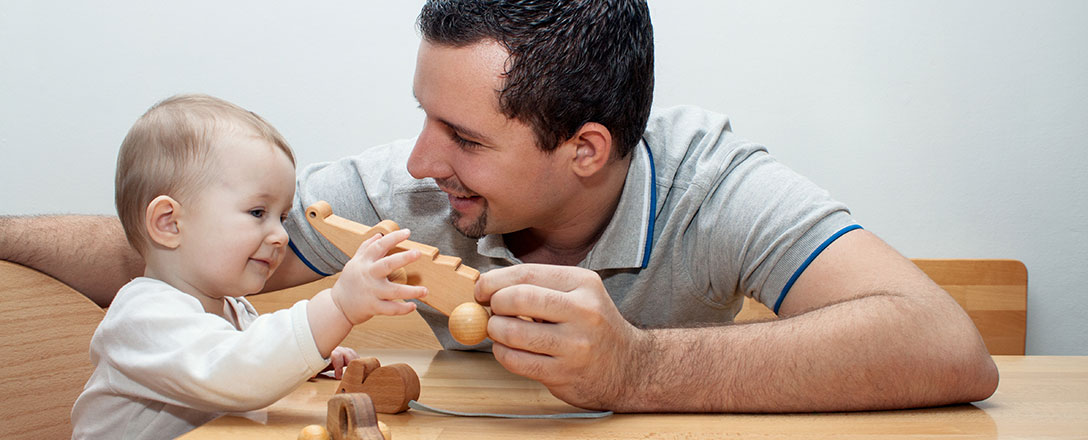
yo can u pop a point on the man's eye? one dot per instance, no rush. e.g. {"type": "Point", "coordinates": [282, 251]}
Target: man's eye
{"type": "Point", "coordinates": [464, 143]}
{"type": "Point", "coordinates": [257, 213]}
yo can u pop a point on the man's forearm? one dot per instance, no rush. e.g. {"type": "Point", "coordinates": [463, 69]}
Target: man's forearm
{"type": "Point", "coordinates": [843, 357]}
{"type": "Point", "coordinates": [89, 253]}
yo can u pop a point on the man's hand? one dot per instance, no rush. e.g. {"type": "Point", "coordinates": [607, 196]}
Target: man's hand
{"type": "Point", "coordinates": [580, 347]}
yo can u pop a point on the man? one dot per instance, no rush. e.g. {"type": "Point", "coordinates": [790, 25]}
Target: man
{"type": "Point", "coordinates": [641, 234]}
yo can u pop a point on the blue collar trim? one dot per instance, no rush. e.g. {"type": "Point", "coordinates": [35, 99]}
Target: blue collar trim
{"type": "Point", "coordinates": [304, 260]}
{"type": "Point", "coordinates": [653, 209]}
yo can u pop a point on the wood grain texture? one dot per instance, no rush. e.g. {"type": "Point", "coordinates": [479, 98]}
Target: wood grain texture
{"type": "Point", "coordinates": [390, 387]}
{"type": "Point", "coordinates": [468, 323]}
{"type": "Point", "coordinates": [351, 417]}
{"type": "Point", "coordinates": [993, 292]}
{"type": "Point", "coordinates": [356, 372]}
{"type": "Point", "coordinates": [46, 328]}
{"type": "Point", "coordinates": [1038, 397]}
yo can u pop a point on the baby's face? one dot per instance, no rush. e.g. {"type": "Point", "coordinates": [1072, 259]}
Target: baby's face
{"type": "Point", "coordinates": [232, 231]}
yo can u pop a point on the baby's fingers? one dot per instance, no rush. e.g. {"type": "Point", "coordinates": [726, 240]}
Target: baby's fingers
{"type": "Point", "coordinates": [366, 244]}
{"type": "Point", "coordinates": [384, 244]}
{"type": "Point", "coordinates": [401, 291]}
{"type": "Point", "coordinates": [393, 308]}
{"type": "Point", "coordinates": [398, 260]}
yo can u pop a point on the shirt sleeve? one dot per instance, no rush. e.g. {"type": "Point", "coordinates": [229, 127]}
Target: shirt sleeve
{"type": "Point", "coordinates": [771, 221]}
{"type": "Point", "coordinates": [170, 350]}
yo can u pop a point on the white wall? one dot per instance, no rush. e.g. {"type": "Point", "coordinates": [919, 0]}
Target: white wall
{"type": "Point", "coordinates": [952, 129]}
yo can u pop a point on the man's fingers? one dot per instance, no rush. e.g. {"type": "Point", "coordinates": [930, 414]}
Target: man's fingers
{"type": "Point", "coordinates": [523, 363]}
{"type": "Point", "coordinates": [535, 302]}
{"type": "Point", "coordinates": [561, 278]}
{"type": "Point", "coordinates": [535, 337]}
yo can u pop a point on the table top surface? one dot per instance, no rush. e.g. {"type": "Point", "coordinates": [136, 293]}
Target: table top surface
{"type": "Point", "coordinates": [1038, 396]}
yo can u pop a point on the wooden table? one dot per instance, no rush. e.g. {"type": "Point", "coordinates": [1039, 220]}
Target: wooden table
{"type": "Point", "coordinates": [1039, 397]}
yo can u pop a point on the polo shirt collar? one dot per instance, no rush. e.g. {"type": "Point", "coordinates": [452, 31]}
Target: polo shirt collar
{"type": "Point", "coordinates": [627, 241]}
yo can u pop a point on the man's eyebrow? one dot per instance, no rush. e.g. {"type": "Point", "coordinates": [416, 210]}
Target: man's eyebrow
{"type": "Point", "coordinates": [474, 135]}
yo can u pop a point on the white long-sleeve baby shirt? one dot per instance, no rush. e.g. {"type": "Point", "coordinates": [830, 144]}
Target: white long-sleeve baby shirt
{"type": "Point", "coordinates": [164, 366]}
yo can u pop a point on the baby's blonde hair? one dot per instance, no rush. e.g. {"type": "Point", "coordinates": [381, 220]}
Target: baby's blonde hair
{"type": "Point", "coordinates": [169, 149]}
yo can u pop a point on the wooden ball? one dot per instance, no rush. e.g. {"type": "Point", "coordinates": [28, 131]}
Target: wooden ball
{"type": "Point", "coordinates": [313, 432]}
{"type": "Point", "coordinates": [468, 323]}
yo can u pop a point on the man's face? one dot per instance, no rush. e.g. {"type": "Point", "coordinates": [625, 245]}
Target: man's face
{"type": "Point", "coordinates": [496, 178]}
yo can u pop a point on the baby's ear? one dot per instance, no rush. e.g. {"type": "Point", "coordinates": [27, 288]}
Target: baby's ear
{"type": "Point", "coordinates": [161, 221]}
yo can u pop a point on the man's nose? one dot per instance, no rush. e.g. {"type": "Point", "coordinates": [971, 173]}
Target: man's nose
{"type": "Point", "coordinates": [428, 158]}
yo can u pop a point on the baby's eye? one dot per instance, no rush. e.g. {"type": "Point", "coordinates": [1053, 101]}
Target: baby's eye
{"type": "Point", "coordinates": [257, 212]}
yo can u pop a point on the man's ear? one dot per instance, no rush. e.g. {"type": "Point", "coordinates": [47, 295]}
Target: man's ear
{"type": "Point", "coordinates": [589, 149]}
{"type": "Point", "coordinates": [161, 222]}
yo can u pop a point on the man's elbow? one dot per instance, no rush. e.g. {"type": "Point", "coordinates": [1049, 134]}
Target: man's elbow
{"type": "Point", "coordinates": [970, 374]}
{"type": "Point", "coordinates": [981, 377]}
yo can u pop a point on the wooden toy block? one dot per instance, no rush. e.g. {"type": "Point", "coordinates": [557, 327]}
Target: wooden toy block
{"type": "Point", "coordinates": [356, 372]}
{"type": "Point", "coordinates": [449, 283]}
{"type": "Point", "coordinates": [390, 387]}
{"type": "Point", "coordinates": [351, 417]}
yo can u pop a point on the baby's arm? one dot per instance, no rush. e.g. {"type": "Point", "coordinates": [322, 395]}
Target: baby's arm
{"type": "Point", "coordinates": [363, 291]}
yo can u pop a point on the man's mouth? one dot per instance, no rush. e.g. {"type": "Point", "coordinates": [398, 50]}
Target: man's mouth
{"type": "Point", "coordinates": [461, 198]}
{"type": "Point", "coordinates": [460, 203]}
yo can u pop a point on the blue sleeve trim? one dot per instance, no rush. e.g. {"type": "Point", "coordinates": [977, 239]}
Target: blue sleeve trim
{"type": "Point", "coordinates": [304, 260]}
{"type": "Point", "coordinates": [808, 261]}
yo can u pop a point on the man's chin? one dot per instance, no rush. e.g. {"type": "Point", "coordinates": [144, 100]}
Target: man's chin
{"type": "Point", "coordinates": [471, 228]}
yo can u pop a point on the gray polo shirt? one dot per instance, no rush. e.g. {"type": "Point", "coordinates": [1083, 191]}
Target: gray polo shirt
{"type": "Point", "coordinates": [705, 218]}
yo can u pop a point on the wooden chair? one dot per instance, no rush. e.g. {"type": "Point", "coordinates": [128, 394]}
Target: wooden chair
{"type": "Point", "coordinates": [993, 292]}
{"type": "Point", "coordinates": [46, 330]}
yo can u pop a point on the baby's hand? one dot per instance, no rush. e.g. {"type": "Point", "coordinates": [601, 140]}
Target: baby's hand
{"type": "Point", "coordinates": [340, 358]}
{"type": "Point", "coordinates": [364, 289]}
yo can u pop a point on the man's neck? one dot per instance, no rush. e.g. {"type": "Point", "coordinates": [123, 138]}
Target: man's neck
{"type": "Point", "coordinates": [568, 240]}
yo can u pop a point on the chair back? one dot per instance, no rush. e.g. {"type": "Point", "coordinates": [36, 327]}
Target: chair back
{"type": "Point", "coordinates": [46, 328]}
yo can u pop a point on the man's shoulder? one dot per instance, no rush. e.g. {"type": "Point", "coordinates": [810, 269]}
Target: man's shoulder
{"type": "Point", "coordinates": [685, 122]}
{"type": "Point", "coordinates": [686, 140]}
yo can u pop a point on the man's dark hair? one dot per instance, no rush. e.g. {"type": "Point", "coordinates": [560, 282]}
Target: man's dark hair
{"type": "Point", "coordinates": [571, 61]}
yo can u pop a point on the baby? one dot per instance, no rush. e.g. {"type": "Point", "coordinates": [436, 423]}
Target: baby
{"type": "Point", "coordinates": [203, 187]}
